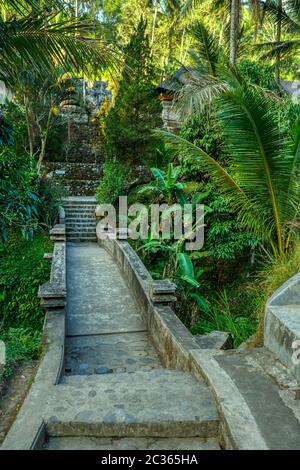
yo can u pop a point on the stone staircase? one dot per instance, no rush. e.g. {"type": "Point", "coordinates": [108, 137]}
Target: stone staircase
{"type": "Point", "coordinates": [80, 219]}
{"type": "Point", "coordinates": [157, 403]}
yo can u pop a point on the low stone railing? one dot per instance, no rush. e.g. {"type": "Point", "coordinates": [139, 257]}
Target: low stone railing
{"type": "Point", "coordinates": [179, 349]}
{"type": "Point", "coordinates": [53, 299]}
{"type": "Point", "coordinates": [53, 294]}
{"type": "Point", "coordinates": [282, 324]}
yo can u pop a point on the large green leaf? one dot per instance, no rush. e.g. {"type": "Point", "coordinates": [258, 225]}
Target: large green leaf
{"type": "Point", "coordinates": [191, 281]}
{"type": "Point", "coordinates": [201, 302]}
{"type": "Point", "coordinates": [185, 265]}
{"type": "Point", "coordinates": [159, 175]}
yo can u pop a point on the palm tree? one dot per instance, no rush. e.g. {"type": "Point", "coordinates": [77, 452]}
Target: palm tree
{"type": "Point", "coordinates": [263, 165]}
{"type": "Point", "coordinates": [209, 74]}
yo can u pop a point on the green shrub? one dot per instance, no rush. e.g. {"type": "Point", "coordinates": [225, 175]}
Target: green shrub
{"type": "Point", "coordinates": [112, 183]}
{"type": "Point", "coordinates": [233, 310]}
{"type": "Point", "coordinates": [261, 74]}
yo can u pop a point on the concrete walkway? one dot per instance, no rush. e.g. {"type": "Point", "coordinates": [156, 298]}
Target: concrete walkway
{"type": "Point", "coordinates": [115, 393]}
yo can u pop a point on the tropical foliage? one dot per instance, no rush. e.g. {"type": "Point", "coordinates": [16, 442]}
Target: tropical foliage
{"type": "Point", "coordinates": [226, 66]}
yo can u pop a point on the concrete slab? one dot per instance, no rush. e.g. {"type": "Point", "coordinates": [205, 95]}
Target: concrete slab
{"type": "Point", "coordinates": [277, 422]}
{"type": "Point", "coordinates": [94, 443]}
{"type": "Point", "coordinates": [161, 402]}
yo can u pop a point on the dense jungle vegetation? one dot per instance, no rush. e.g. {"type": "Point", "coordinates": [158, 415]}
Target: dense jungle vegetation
{"type": "Point", "coordinates": [237, 150]}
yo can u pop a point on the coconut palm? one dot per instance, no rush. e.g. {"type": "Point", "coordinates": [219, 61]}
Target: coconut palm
{"type": "Point", "coordinates": [263, 165]}
{"type": "Point", "coordinates": [209, 74]}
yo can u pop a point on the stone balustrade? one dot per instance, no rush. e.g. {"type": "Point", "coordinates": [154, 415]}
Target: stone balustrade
{"type": "Point", "coordinates": [53, 294]}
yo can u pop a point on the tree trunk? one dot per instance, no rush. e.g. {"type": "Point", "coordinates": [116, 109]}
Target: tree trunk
{"type": "Point", "coordinates": [278, 39]}
{"type": "Point", "coordinates": [234, 30]}
{"type": "Point", "coordinates": [182, 45]}
{"type": "Point", "coordinates": [44, 138]}
{"type": "Point", "coordinates": [154, 26]}
{"type": "Point", "coordinates": [29, 127]}
{"type": "Point", "coordinates": [4, 11]}
{"type": "Point", "coordinates": [76, 7]}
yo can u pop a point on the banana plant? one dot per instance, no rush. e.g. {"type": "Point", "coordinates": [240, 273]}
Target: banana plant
{"type": "Point", "coordinates": [167, 185]}
{"type": "Point", "coordinates": [189, 282]}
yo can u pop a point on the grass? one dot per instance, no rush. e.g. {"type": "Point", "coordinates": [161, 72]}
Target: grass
{"type": "Point", "coordinates": [232, 310]}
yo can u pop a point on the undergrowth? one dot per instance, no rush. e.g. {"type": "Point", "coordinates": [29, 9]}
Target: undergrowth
{"type": "Point", "coordinates": [22, 271]}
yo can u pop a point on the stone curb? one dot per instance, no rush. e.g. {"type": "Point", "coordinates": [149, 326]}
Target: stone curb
{"type": "Point", "coordinates": [239, 430]}
{"type": "Point", "coordinates": [282, 324]}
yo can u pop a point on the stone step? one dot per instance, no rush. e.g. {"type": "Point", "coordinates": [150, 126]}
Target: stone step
{"type": "Point", "coordinates": [80, 200]}
{"type": "Point", "coordinates": [85, 219]}
{"type": "Point", "coordinates": [81, 223]}
{"type": "Point", "coordinates": [81, 230]}
{"type": "Point", "coordinates": [158, 403]}
{"type": "Point", "coordinates": [79, 238]}
{"type": "Point", "coordinates": [129, 443]}
{"type": "Point", "coordinates": [80, 210]}
{"type": "Point", "coordinates": [80, 215]}
{"type": "Point", "coordinates": [271, 393]}
{"type": "Point", "coordinates": [80, 207]}
{"type": "Point", "coordinates": [80, 226]}
{"type": "Point", "coordinates": [81, 235]}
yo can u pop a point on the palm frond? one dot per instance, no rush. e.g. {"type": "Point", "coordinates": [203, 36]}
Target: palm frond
{"type": "Point", "coordinates": [261, 156]}
{"type": "Point", "coordinates": [189, 6]}
{"type": "Point", "coordinates": [280, 15]}
{"type": "Point", "coordinates": [261, 163]}
{"type": "Point", "coordinates": [198, 93]}
{"type": "Point", "coordinates": [206, 47]}
{"type": "Point", "coordinates": [285, 48]}
{"type": "Point", "coordinates": [185, 149]}
{"type": "Point", "coordinates": [296, 147]}
{"type": "Point", "coordinates": [22, 6]}
{"type": "Point", "coordinates": [41, 45]}
{"type": "Point", "coordinates": [293, 7]}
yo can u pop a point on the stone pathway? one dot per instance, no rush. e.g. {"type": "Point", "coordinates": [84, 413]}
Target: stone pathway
{"type": "Point", "coordinates": [105, 332]}
{"type": "Point", "coordinates": [116, 394]}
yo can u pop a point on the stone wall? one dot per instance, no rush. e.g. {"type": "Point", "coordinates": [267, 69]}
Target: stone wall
{"type": "Point", "coordinates": [170, 117]}
{"type": "Point", "coordinates": [80, 164]}
{"type": "Point", "coordinates": [79, 179]}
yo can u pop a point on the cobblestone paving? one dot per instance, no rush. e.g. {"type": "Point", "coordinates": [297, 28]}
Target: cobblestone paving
{"type": "Point", "coordinates": [105, 332]}
{"type": "Point", "coordinates": [102, 354]}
